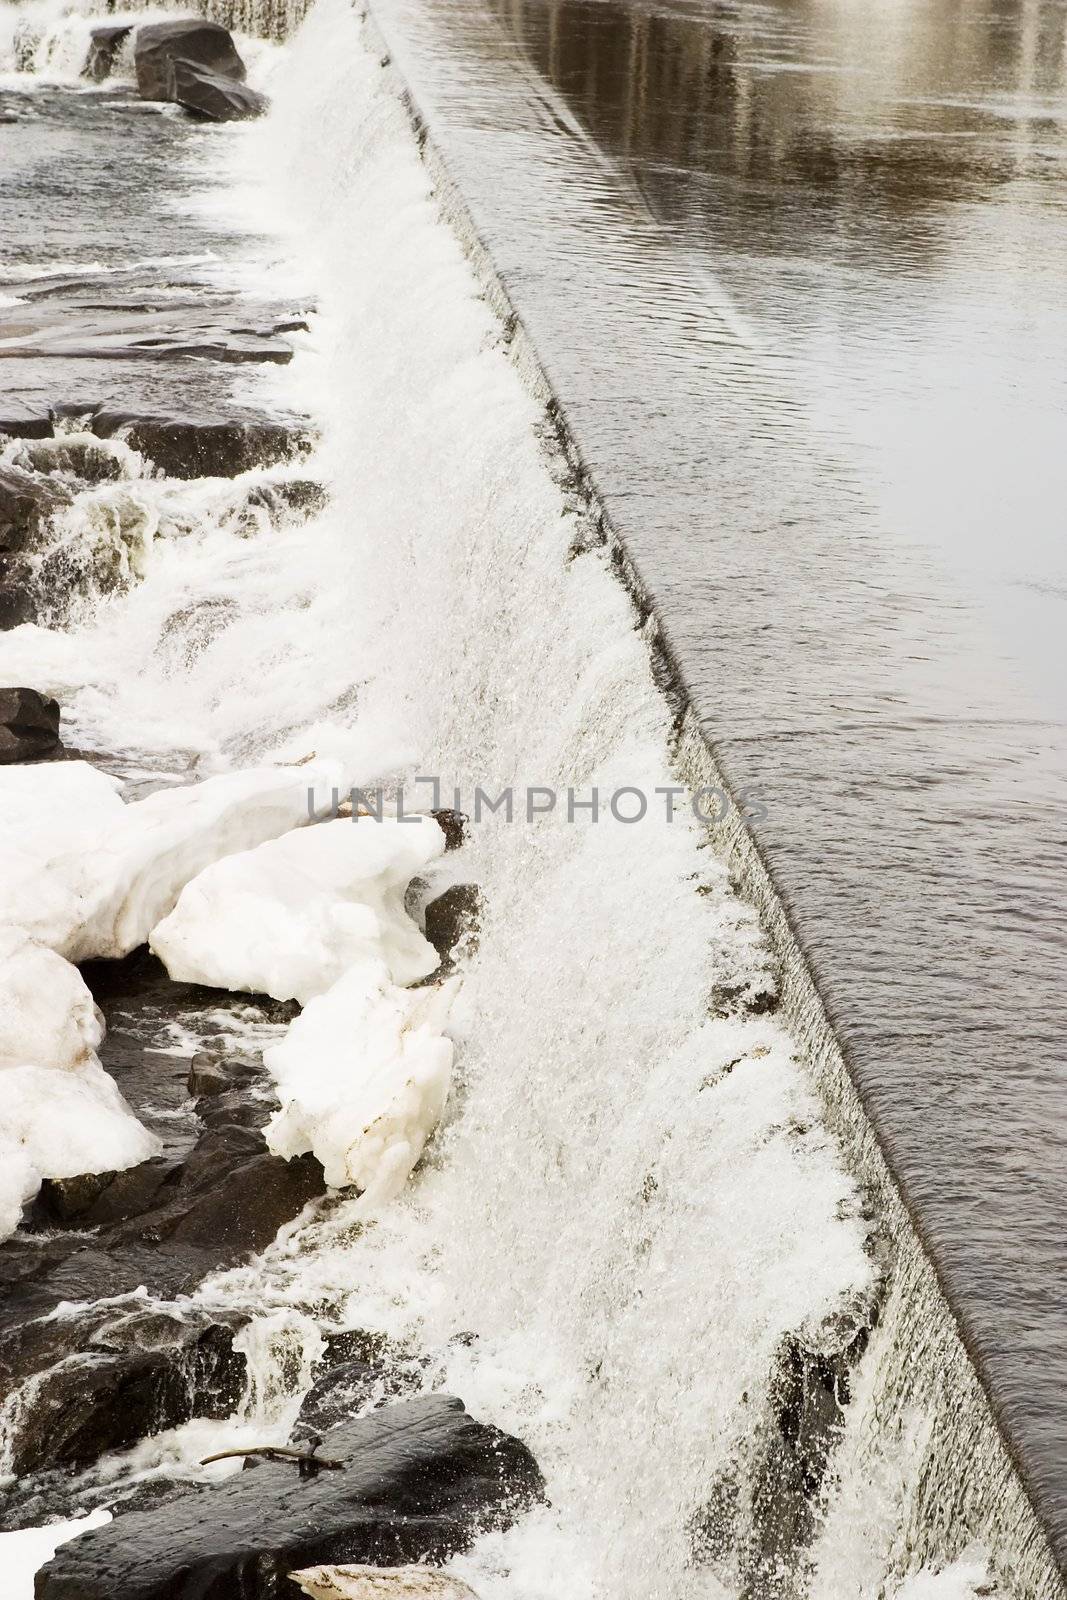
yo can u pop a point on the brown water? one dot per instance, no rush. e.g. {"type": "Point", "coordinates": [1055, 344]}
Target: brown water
{"type": "Point", "coordinates": [798, 274]}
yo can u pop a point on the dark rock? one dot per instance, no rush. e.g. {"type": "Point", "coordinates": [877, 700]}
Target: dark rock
{"type": "Point", "coordinates": [343, 1392]}
{"type": "Point", "coordinates": [453, 917]}
{"type": "Point", "coordinates": [61, 1200]}
{"type": "Point", "coordinates": [158, 46]}
{"type": "Point", "coordinates": [301, 495]}
{"type": "Point", "coordinates": [104, 45]}
{"type": "Point", "coordinates": [139, 1373]}
{"type": "Point", "coordinates": [18, 602]}
{"type": "Point", "coordinates": [213, 97]}
{"type": "Point", "coordinates": [76, 462]}
{"type": "Point", "coordinates": [763, 1510]}
{"type": "Point", "coordinates": [206, 1076]}
{"type": "Point", "coordinates": [257, 1198]}
{"type": "Point", "coordinates": [29, 725]}
{"type": "Point", "coordinates": [24, 421]}
{"type": "Point", "coordinates": [420, 1481]}
{"type": "Point", "coordinates": [26, 503]}
{"type": "Point", "coordinates": [190, 448]}
{"type": "Point", "coordinates": [453, 825]}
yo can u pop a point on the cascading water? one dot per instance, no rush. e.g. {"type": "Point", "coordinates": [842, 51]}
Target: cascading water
{"type": "Point", "coordinates": [633, 1242]}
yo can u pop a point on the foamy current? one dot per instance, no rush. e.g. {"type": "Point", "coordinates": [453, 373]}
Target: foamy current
{"type": "Point", "coordinates": [632, 1206]}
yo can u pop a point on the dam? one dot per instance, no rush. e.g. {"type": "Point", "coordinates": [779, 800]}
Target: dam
{"type": "Point", "coordinates": [659, 398]}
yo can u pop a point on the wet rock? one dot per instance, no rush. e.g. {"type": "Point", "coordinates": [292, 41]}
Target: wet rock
{"type": "Point", "coordinates": [212, 97]}
{"type": "Point", "coordinates": [206, 1076]}
{"type": "Point", "coordinates": [292, 497]}
{"type": "Point", "coordinates": [18, 603]}
{"type": "Point", "coordinates": [419, 1481]}
{"type": "Point", "coordinates": [380, 1583]}
{"type": "Point", "coordinates": [62, 1200]}
{"type": "Point", "coordinates": [159, 46]}
{"type": "Point", "coordinates": [453, 825]}
{"type": "Point", "coordinates": [29, 726]}
{"type": "Point", "coordinates": [345, 1391]}
{"type": "Point", "coordinates": [75, 462]}
{"type": "Point", "coordinates": [104, 46]}
{"type": "Point", "coordinates": [188, 447]}
{"type": "Point", "coordinates": [453, 917]}
{"type": "Point", "coordinates": [26, 504]}
{"type": "Point", "coordinates": [763, 1510]}
{"type": "Point", "coordinates": [211, 1197]}
{"type": "Point", "coordinates": [139, 1374]}
{"type": "Point", "coordinates": [24, 421]}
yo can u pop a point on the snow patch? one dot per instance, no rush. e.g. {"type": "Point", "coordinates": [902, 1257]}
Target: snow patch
{"type": "Point", "coordinates": [24, 1553]}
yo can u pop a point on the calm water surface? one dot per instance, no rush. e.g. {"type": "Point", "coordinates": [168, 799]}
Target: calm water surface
{"type": "Point", "coordinates": [798, 274]}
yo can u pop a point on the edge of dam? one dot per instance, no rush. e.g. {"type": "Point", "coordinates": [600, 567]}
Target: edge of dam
{"type": "Point", "coordinates": [981, 1477]}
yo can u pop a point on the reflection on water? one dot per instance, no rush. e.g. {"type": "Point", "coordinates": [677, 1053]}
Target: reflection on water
{"type": "Point", "coordinates": [797, 273]}
{"type": "Point", "coordinates": [882, 188]}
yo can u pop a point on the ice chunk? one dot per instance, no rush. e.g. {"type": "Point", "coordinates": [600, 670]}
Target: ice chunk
{"type": "Point", "coordinates": [47, 1015]}
{"type": "Point", "coordinates": [363, 1075]}
{"type": "Point", "coordinates": [287, 919]}
{"type": "Point", "coordinates": [64, 793]}
{"type": "Point", "coordinates": [98, 886]}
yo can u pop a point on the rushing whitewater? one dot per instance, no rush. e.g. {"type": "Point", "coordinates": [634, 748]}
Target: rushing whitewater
{"type": "Point", "coordinates": [631, 1217]}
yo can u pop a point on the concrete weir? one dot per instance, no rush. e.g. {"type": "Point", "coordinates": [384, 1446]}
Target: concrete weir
{"type": "Point", "coordinates": [897, 807]}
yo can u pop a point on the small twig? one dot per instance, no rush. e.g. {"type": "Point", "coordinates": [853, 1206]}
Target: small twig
{"type": "Point", "coordinates": [279, 1452]}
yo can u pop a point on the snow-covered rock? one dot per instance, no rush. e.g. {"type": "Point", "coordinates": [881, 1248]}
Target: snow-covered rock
{"type": "Point", "coordinates": [363, 1075]}
{"type": "Point", "coordinates": [381, 1583]}
{"type": "Point", "coordinates": [61, 1115]}
{"type": "Point", "coordinates": [98, 885]}
{"type": "Point", "coordinates": [56, 1123]}
{"type": "Point", "coordinates": [288, 918]}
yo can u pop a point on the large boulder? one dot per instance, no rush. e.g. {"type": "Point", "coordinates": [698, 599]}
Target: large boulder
{"type": "Point", "coordinates": [29, 726]}
{"type": "Point", "coordinates": [416, 1483]}
{"type": "Point", "coordinates": [213, 97]}
{"type": "Point", "coordinates": [159, 45]}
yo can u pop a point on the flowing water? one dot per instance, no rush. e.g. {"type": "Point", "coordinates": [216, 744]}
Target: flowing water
{"type": "Point", "coordinates": [633, 1220]}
